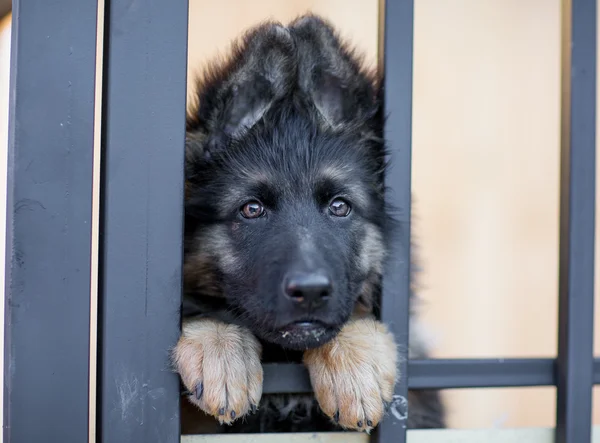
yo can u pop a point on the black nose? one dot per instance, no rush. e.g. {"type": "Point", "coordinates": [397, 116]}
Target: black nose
{"type": "Point", "coordinates": [308, 289]}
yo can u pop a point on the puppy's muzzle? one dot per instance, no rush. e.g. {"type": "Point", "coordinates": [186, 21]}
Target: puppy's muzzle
{"type": "Point", "coordinates": [308, 290]}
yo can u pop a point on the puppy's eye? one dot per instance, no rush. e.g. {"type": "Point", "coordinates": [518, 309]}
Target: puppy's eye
{"type": "Point", "coordinates": [252, 209]}
{"type": "Point", "coordinates": [339, 208]}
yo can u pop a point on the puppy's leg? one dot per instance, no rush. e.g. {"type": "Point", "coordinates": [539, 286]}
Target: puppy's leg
{"type": "Point", "coordinates": [220, 366]}
{"type": "Point", "coordinates": [355, 373]}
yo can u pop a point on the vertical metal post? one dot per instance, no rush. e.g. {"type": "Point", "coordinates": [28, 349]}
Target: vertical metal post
{"type": "Point", "coordinates": [141, 231]}
{"type": "Point", "coordinates": [577, 222]}
{"type": "Point", "coordinates": [49, 221]}
{"type": "Point", "coordinates": [396, 58]}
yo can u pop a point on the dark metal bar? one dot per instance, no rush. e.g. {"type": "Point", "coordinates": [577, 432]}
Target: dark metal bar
{"type": "Point", "coordinates": [142, 219]}
{"type": "Point", "coordinates": [49, 221]}
{"type": "Point", "coordinates": [453, 374]}
{"type": "Point", "coordinates": [396, 60]}
{"type": "Point", "coordinates": [286, 378]}
{"type": "Point", "coordinates": [439, 374]}
{"type": "Point", "coordinates": [577, 220]}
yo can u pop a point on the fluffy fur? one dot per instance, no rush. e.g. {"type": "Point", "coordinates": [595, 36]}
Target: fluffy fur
{"type": "Point", "coordinates": [288, 127]}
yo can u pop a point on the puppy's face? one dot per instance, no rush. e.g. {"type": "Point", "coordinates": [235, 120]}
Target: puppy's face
{"type": "Point", "coordinates": [293, 220]}
{"type": "Point", "coordinates": [285, 215]}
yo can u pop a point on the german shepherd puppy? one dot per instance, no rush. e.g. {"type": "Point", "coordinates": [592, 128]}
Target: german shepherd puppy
{"type": "Point", "coordinates": [286, 236]}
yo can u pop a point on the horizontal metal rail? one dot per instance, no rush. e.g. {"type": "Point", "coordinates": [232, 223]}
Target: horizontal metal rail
{"type": "Point", "coordinates": [439, 374]}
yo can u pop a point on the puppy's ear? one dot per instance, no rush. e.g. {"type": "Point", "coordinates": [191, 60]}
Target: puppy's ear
{"type": "Point", "coordinates": [331, 74]}
{"type": "Point", "coordinates": [234, 95]}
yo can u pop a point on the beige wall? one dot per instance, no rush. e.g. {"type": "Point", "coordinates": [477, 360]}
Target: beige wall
{"type": "Point", "coordinates": [4, 73]}
{"type": "Point", "coordinates": [486, 144]}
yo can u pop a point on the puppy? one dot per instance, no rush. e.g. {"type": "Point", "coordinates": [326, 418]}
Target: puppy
{"type": "Point", "coordinates": [286, 237]}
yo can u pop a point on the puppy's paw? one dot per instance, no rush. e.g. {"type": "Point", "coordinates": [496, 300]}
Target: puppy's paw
{"type": "Point", "coordinates": [353, 375]}
{"type": "Point", "coordinates": [220, 366]}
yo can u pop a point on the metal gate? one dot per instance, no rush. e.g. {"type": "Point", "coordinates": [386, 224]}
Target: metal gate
{"type": "Point", "coordinates": [53, 237]}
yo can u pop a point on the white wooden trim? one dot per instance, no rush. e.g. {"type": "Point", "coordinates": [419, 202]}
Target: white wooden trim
{"type": "Point", "coordinates": [519, 435]}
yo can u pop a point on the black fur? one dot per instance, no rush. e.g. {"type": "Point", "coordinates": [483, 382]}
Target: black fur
{"type": "Point", "coordinates": [293, 121]}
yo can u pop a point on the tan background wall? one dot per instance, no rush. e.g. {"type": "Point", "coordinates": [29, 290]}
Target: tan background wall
{"type": "Point", "coordinates": [485, 175]}
{"type": "Point", "coordinates": [4, 82]}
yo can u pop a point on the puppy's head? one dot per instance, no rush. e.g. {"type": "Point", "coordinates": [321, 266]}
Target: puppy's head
{"type": "Point", "coordinates": [285, 213]}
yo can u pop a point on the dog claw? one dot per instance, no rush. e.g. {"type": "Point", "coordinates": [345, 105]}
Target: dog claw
{"type": "Point", "coordinates": [369, 423]}
{"type": "Point", "coordinates": [336, 417]}
{"type": "Point", "coordinates": [222, 411]}
{"type": "Point", "coordinates": [253, 409]}
{"type": "Point", "coordinates": [199, 391]}
{"type": "Point", "coordinates": [359, 424]}
{"type": "Point", "coordinates": [232, 415]}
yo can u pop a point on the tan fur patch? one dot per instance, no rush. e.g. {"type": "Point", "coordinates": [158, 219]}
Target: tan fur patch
{"type": "Point", "coordinates": [372, 252]}
{"type": "Point", "coordinates": [220, 365]}
{"type": "Point", "coordinates": [366, 300]}
{"type": "Point", "coordinates": [214, 242]}
{"type": "Point", "coordinates": [199, 273]}
{"type": "Point", "coordinates": [355, 373]}
{"type": "Point", "coordinates": [341, 172]}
